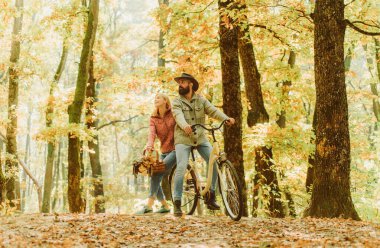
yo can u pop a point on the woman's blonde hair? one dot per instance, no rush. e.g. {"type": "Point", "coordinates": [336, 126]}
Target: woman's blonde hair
{"type": "Point", "coordinates": [167, 100]}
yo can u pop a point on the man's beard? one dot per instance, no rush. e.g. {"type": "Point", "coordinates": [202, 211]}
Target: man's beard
{"type": "Point", "coordinates": [183, 91]}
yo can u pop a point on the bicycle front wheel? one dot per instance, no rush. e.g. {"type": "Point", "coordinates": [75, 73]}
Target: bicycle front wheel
{"type": "Point", "coordinates": [230, 190]}
{"type": "Point", "coordinates": [190, 192]}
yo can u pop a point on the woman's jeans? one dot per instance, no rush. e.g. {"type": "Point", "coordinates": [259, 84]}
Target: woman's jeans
{"type": "Point", "coordinates": [155, 181]}
{"type": "Point", "coordinates": [183, 154]}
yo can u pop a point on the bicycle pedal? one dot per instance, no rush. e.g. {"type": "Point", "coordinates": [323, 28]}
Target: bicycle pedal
{"type": "Point", "coordinates": [210, 207]}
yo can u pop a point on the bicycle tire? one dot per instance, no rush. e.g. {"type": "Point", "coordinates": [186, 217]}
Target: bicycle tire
{"type": "Point", "coordinates": [235, 212]}
{"type": "Point", "coordinates": [190, 194]}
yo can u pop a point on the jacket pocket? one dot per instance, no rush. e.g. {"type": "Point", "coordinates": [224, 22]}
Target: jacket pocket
{"type": "Point", "coordinates": [200, 112]}
{"type": "Point", "coordinates": [187, 113]}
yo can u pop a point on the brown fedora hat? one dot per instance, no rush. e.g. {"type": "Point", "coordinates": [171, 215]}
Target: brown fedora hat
{"type": "Point", "coordinates": [189, 77]}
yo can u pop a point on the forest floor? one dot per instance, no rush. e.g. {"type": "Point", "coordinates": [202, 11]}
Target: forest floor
{"type": "Point", "coordinates": [111, 230]}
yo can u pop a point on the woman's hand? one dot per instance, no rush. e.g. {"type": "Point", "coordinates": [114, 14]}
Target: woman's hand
{"type": "Point", "coordinates": [148, 149]}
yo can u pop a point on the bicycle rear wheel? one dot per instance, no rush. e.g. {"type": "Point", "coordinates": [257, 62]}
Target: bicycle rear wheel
{"type": "Point", "coordinates": [230, 190]}
{"type": "Point", "coordinates": [190, 192]}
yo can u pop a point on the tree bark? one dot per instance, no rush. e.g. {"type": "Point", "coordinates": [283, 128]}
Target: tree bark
{"type": "Point", "coordinates": [2, 177]}
{"type": "Point", "coordinates": [161, 40]}
{"type": "Point", "coordinates": [27, 154]}
{"type": "Point", "coordinates": [376, 104]}
{"type": "Point", "coordinates": [76, 203]}
{"type": "Point", "coordinates": [258, 114]}
{"type": "Point", "coordinates": [48, 182]}
{"type": "Point", "coordinates": [371, 68]}
{"type": "Point", "coordinates": [92, 123]}
{"type": "Point", "coordinates": [232, 105]}
{"type": "Point", "coordinates": [56, 177]}
{"type": "Point", "coordinates": [64, 172]}
{"type": "Point", "coordinates": [256, 110]}
{"type": "Point", "coordinates": [118, 159]}
{"type": "Point", "coordinates": [27, 171]}
{"type": "Point", "coordinates": [311, 160]}
{"type": "Point", "coordinates": [331, 196]}
{"type": "Point", "coordinates": [11, 147]}
{"type": "Point", "coordinates": [161, 63]}
{"type": "Point", "coordinates": [285, 85]}
{"type": "Point", "coordinates": [281, 122]}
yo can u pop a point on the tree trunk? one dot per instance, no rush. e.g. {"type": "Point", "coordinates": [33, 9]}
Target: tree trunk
{"type": "Point", "coordinates": [76, 203]}
{"type": "Point", "coordinates": [266, 176]}
{"type": "Point", "coordinates": [258, 114]}
{"type": "Point", "coordinates": [2, 177]}
{"type": "Point", "coordinates": [26, 157]}
{"type": "Point", "coordinates": [232, 105]}
{"type": "Point", "coordinates": [311, 159]}
{"type": "Point", "coordinates": [64, 172]}
{"type": "Point", "coordinates": [118, 159]}
{"type": "Point", "coordinates": [281, 122]}
{"type": "Point", "coordinates": [256, 110]}
{"type": "Point", "coordinates": [48, 182]}
{"type": "Point", "coordinates": [331, 196]}
{"type": "Point", "coordinates": [11, 164]}
{"type": "Point", "coordinates": [161, 64]}
{"type": "Point", "coordinates": [161, 39]}
{"type": "Point", "coordinates": [27, 171]}
{"type": "Point", "coordinates": [374, 91]}
{"type": "Point", "coordinates": [376, 104]}
{"type": "Point", "coordinates": [285, 85]}
{"type": "Point", "coordinates": [56, 177]}
{"type": "Point", "coordinates": [92, 123]}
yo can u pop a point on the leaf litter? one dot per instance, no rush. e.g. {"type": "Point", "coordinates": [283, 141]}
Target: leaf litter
{"type": "Point", "coordinates": [112, 230]}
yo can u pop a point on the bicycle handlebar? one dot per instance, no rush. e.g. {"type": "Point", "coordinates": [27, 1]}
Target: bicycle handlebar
{"type": "Point", "coordinates": [208, 129]}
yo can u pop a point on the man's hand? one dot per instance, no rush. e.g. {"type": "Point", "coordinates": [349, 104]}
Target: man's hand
{"type": "Point", "coordinates": [230, 121]}
{"type": "Point", "coordinates": [188, 129]}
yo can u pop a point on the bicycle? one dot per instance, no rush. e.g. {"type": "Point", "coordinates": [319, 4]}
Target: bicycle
{"type": "Point", "coordinates": [228, 181]}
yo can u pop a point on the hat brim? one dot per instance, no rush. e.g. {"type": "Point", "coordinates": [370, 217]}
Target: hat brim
{"type": "Point", "coordinates": [195, 82]}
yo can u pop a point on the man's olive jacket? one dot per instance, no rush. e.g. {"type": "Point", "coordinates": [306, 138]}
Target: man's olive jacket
{"type": "Point", "coordinates": [193, 112]}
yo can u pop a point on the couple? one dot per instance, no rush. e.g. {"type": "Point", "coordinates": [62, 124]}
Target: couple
{"type": "Point", "coordinates": [172, 126]}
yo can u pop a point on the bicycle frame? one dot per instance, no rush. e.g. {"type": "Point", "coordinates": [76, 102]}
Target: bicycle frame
{"type": "Point", "coordinates": [230, 189]}
{"type": "Point", "coordinates": [214, 155]}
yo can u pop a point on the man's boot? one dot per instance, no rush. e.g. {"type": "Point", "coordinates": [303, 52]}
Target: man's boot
{"type": "Point", "coordinates": [211, 202]}
{"type": "Point", "coordinates": [177, 208]}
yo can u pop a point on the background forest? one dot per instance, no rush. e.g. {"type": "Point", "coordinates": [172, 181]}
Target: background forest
{"type": "Point", "coordinates": [139, 47]}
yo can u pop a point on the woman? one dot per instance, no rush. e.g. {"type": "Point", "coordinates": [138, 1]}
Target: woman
{"type": "Point", "coordinates": [162, 125]}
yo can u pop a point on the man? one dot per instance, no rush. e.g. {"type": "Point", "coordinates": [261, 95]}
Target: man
{"type": "Point", "coordinates": [189, 109]}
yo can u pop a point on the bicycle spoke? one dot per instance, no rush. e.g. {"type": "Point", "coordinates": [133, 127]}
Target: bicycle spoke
{"type": "Point", "coordinates": [230, 191]}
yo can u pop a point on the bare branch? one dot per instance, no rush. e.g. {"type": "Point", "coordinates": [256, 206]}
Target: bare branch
{"type": "Point", "coordinates": [142, 45]}
{"type": "Point", "coordinates": [351, 25]}
{"type": "Point", "coordinates": [374, 25]}
{"type": "Point", "coordinates": [302, 12]}
{"type": "Point", "coordinates": [275, 35]}
{"type": "Point", "coordinates": [141, 128]}
{"type": "Point", "coordinates": [349, 3]}
{"type": "Point", "coordinates": [116, 121]}
{"type": "Point", "coordinates": [200, 11]}
{"type": "Point", "coordinates": [28, 172]}
{"type": "Point", "coordinates": [171, 61]}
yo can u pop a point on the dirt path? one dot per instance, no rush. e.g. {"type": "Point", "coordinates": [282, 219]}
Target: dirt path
{"type": "Point", "coordinates": [166, 231]}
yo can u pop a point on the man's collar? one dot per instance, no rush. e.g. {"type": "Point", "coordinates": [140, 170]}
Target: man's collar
{"type": "Point", "coordinates": [185, 100]}
{"type": "Point", "coordinates": [195, 96]}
